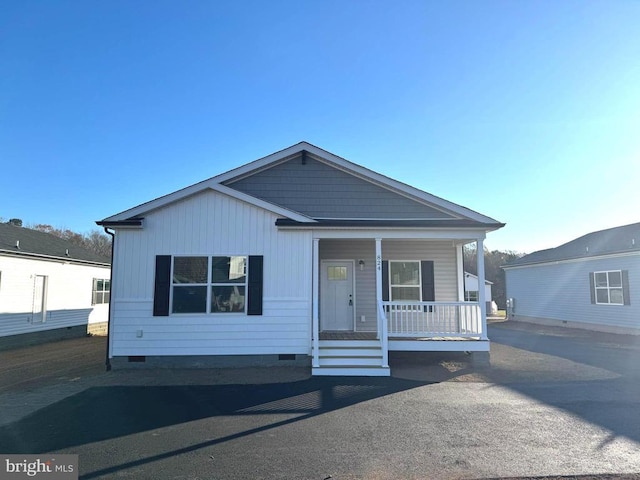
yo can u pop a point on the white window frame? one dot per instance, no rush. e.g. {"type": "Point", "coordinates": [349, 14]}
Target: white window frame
{"type": "Point", "coordinates": [608, 288]}
{"type": "Point", "coordinates": [418, 286]}
{"type": "Point", "coordinates": [94, 290]}
{"type": "Point", "coordinates": [471, 298]}
{"type": "Point", "coordinates": [209, 284]}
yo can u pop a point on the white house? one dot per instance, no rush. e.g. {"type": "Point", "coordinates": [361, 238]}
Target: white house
{"type": "Point", "coordinates": [49, 288]}
{"type": "Point", "coordinates": [300, 255]}
{"type": "Point", "coordinates": [471, 291]}
{"type": "Point", "coordinates": [591, 282]}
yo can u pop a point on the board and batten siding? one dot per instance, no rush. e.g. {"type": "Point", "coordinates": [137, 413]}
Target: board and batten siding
{"type": "Point", "coordinates": [322, 191]}
{"type": "Point", "coordinates": [561, 292]}
{"type": "Point", "coordinates": [206, 224]}
{"type": "Point", "coordinates": [68, 295]}
{"type": "Point", "coordinates": [443, 255]}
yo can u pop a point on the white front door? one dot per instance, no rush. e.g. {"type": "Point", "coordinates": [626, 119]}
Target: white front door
{"type": "Point", "coordinates": [336, 293]}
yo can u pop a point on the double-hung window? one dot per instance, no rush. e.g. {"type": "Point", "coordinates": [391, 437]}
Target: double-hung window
{"type": "Point", "coordinates": [608, 287]}
{"type": "Point", "coordinates": [101, 291]}
{"type": "Point", "coordinates": [215, 284]}
{"type": "Point", "coordinates": [405, 281]}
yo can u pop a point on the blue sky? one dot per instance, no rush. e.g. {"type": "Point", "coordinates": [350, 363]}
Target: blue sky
{"type": "Point", "coordinates": [526, 111]}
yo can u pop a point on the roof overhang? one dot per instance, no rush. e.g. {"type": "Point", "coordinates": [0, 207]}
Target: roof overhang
{"type": "Point", "coordinates": [430, 224]}
{"type": "Point", "coordinates": [133, 223]}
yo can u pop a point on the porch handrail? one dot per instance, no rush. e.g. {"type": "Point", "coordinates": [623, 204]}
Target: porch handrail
{"type": "Point", "coordinates": [425, 319]}
{"type": "Point", "coordinates": [383, 334]}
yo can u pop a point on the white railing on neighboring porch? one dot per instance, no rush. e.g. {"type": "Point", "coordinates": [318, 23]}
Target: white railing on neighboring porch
{"type": "Point", "coordinates": [433, 319]}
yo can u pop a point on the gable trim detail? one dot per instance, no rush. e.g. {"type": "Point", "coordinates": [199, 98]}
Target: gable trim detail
{"type": "Point", "coordinates": [198, 188]}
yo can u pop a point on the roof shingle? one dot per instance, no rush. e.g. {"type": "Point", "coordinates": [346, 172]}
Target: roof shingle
{"type": "Point", "coordinates": [604, 242]}
{"type": "Point", "coordinates": [16, 240]}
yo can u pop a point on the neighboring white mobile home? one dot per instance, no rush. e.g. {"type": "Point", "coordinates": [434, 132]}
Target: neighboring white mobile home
{"type": "Point", "coordinates": [49, 288]}
{"type": "Point", "coordinates": [591, 282]}
{"type": "Point", "coordinates": [471, 291]}
{"type": "Point", "coordinates": [298, 255]}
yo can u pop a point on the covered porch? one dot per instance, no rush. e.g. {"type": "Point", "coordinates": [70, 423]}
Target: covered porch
{"type": "Point", "coordinates": [399, 292]}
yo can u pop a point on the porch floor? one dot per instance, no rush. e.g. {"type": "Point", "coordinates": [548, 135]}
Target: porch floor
{"type": "Point", "coordinates": [373, 336]}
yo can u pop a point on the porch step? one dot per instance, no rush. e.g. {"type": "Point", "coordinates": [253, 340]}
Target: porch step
{"type": "Point", "coordinates": [350, 358]}
{"type": "Point", "coordinates": [351, 371]}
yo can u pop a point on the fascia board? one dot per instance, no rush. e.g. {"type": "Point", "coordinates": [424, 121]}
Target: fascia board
{"type": "Point", "coordinates": [160, 202]}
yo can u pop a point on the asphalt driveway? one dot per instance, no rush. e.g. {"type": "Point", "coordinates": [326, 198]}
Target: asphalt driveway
{"type": "Point", "coordinates": [555, 402]}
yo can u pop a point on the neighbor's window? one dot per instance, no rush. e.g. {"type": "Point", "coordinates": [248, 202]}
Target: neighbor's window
{"type": "Point", "coordinates": [471, 296]}
{"type": "Point", "coordinates": [404, 281]}
{"type": "Point", "coordinates": [101, 291]}
{"type": "Point", "coordinates": [209, 284]}
{"type": "Point", "coordinates": [608, 286]}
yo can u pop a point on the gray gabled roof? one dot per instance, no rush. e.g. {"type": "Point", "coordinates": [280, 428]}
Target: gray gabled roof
{"type": "Point", "coordinates": [20, 241]}
{"type": "Point", "coordinates": [604, 242]}
{"type": "Point", "coordinates": [227, 183]}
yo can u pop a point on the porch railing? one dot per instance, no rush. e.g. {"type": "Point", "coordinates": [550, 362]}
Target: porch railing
{"type": "Point", "coordinates": [433, 319]}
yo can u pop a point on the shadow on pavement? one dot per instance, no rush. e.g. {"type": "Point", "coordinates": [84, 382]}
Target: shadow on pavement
{"type": "Point", "coordinates": [102, 413]}
{"type": "Point", "coordinates": [611, 403]}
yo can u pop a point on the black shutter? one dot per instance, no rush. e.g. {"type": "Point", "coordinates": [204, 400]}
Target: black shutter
{"type": "Point", "coordinates": [592, 287]}
{"type": "Point", "coordinates": [625, 287]}
{"type": "Point", "coordinates": [162, 286]}
{"type": "Point", "coordinates": [254, 295]}
{"type": "Point", "coordinates": [428, 281]}
{"type": "Point", "coordinates": [385, 280]}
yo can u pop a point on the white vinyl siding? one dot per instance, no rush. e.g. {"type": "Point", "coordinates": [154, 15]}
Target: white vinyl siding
{"type": "Point", "coordinates": [212, 224]}
{"type": "Point", "coordinates": [442, 253]}
{"type": "Point", "coordinates": [68, 289]}
{"type": "Point", "coordinates": [562, 291]}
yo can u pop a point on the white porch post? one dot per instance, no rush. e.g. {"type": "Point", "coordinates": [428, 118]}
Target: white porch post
{"type": "Point", "coordinates": [382, 325]}
{"type": "Point", "coordinates": [314, 303]}
{"type": "Point", "coordinates": [378, 282]}
{"type": "Point", "coordinates": [481, 291]}
{"type": "Point", "coordinates": [460, 265]}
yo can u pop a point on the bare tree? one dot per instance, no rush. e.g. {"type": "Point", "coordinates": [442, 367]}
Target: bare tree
{"type": "Point", "coordinates": [95, 241]}
{"type": "Point", "coordinates": [493, 260]}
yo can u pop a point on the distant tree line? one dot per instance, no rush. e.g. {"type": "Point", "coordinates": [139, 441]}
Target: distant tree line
{"type": "Point", "coordinates": [493, 260]}
{"type": "Point", "coordinates": [94, 241]}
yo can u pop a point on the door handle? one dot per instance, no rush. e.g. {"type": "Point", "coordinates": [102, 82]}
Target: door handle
{"type": "Point", "coordinates": [350, 300]}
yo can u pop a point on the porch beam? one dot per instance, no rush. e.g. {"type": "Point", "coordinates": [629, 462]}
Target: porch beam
{"type": "Point", "coordinates": [315, 304]}
{"type": "Point", "coordinates": [468, 235]}
{"type": "Point", "coordinates": [481, 282]}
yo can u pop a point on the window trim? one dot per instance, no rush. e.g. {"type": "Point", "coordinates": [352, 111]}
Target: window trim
{"type": "Point", "coordinates": [608, 288]}
{"type": "Point", "coordinates": [209, 285]}
{"type": "Point", "coordinates": [392, 285]}
{"type": "Point", "coordinates": [94, 290]}
{"type": "Point", "coordinates": [468, 296]}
